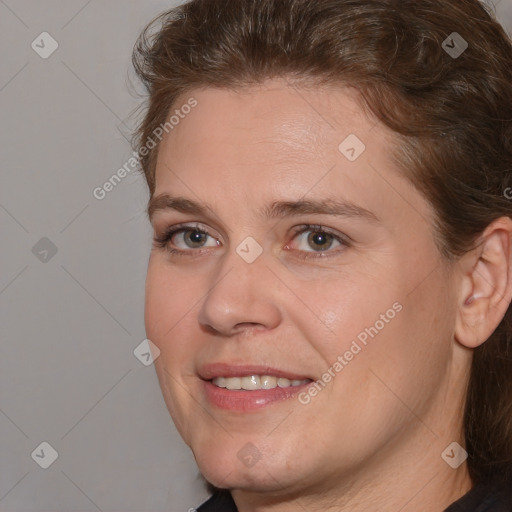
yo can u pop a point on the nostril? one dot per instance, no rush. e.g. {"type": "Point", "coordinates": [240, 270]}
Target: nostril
{"type": "Point", "coordinates": [248, 327]}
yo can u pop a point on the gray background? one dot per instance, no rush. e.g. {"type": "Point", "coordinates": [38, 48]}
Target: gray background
{"type": "Point", "coordinates": [71, 321]}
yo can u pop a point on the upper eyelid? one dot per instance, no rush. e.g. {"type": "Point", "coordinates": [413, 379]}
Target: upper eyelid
{"type": "Point", "coordinates": [199, 227]}
{"type": "Point", "coordinates": [183, 227]}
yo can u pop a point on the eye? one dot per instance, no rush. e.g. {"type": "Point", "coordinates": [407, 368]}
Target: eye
{"type": "Point", "coordinates": [191, 238]}
{"type": "Point", "coordinates": [313, 241]}
{"type": "Point", "coordinates": [317, 239]}
{"type": "Point", "coordinates": [180, 239]}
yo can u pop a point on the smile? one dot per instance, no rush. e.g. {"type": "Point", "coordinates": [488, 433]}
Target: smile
{"type": "Point", "coordinates": [255, 382]}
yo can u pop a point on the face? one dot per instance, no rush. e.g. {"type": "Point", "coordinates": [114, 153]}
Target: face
{"type": "Point", "coordinates": [302, 259]}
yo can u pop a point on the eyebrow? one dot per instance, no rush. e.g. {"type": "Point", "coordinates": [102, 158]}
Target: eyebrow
{"type": "Point", "coordinates": [278, 209]}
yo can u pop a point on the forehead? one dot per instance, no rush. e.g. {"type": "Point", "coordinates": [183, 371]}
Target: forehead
{"type": "Point", "coordinates": [275, 112]}
{"type": "Point", "coordinates": [270, 126]}
{"type": "Point", "coordinates": [276, 142]}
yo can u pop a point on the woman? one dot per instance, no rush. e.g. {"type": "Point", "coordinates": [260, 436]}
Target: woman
{"type": "Point", "coordinates": [330, 281]}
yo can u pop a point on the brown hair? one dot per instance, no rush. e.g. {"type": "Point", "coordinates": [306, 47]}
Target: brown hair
{"type": "Point", "coordinates": [452, 115]}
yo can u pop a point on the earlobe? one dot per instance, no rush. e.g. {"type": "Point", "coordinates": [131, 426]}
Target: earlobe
{"type": "Point", "coordinates": [486, 285]}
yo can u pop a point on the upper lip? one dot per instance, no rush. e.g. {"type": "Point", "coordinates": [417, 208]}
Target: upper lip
{"type": "Point", "coordinates": [213, 370]}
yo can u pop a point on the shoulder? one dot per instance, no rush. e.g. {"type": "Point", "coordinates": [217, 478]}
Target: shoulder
{"type": "Point", "coordinates": [220, 501]}
{"type": "Point", "coordinates": [484, 498]}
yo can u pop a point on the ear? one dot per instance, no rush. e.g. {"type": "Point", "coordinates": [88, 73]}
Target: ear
{"type": "Point", "coordinates": [486, 285]}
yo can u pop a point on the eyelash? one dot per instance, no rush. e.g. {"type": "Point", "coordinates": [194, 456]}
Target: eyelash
{"type": "Point", "coordinates": [162, 242]}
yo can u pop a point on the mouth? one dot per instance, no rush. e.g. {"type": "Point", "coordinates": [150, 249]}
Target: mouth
{"type": "Point", "coordinates": [255, 382]}
{"type": "Point", "coordinates": [246, 388]}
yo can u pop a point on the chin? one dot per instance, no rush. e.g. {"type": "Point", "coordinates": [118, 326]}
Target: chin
{"type": "Point", "coordinates": [227, 466]}
{"type": "Point", "coordinates": [223, 473]}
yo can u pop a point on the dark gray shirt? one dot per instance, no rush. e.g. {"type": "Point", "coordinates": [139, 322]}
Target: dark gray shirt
{"type": "Point", "coordinates": [482, 498]}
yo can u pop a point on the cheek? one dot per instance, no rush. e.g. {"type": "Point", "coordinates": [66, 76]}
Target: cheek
{"type": "Point", "coordinates": [380, 326]}
{"type": "Point", "coordinates": [157, 303]}
{"type": "Point", "coordinates": [410, 356]}
{"type": "Point", "coordinates": [343, 310]}
{"type": "Point", "coordinates": [167, 303]}
{"type": "Point", "coordinates": [168, 314]}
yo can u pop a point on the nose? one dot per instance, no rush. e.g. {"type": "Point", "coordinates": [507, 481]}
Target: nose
{"type": "Point", "coordinates": [242, 295]}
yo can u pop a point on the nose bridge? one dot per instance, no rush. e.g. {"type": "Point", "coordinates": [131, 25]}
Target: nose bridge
{"type": "Point", "coordinates": [240, 293]}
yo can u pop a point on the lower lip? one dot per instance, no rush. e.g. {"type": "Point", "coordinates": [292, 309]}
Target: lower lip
{"type": "Point", "coordinates": [241, 400]}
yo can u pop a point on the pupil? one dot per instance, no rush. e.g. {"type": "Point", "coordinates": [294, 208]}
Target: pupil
{"type": "Point", "coordinates": [196, 237]}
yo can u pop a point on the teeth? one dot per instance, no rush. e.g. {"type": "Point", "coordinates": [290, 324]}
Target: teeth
{"type": "Point", "coordinates": [254, 382]}
{"type": "Point", "coordinates": [284, 383]}
{"type": "Point", "coordinates": [268, 382]}
{"type": "Point", "coordinates": [234, 383]}
{"type": "Point", "coordinates": [221, 382]}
